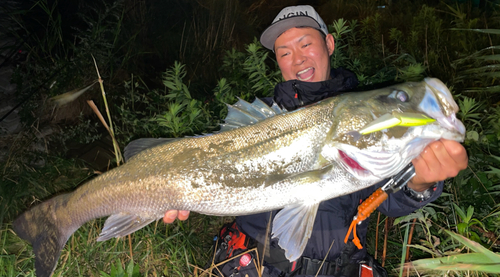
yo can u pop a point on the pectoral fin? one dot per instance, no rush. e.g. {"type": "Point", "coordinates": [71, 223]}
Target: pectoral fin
{"type": "Point", "coordinates": [122, 224]}
{"type": "Point", "coordinates": [293, 227]}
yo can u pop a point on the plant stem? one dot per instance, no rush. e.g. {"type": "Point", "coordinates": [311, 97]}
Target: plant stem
{"type": "Point", "coordinates": [118, 153]}
{"type": "Point", "coordinates": [403, 255]}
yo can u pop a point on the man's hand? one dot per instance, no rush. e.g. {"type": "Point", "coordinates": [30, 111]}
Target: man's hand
{"type": "Point", "coordinates": [171, 215]}
{"type": "Point", "coordinates": [440, 160]}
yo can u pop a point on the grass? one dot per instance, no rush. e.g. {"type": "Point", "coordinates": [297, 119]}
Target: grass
{"type": "Point", "coordinates": [158, 249]}
{"type": "Point", "coordinates": [178, 249]}
{"type": "Point", "coordinates": [161, 250]}
{"type": "Point", "coordinates": [24, 183]}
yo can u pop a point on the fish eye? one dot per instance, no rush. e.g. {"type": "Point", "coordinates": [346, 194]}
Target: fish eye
{"type": "Point", "coordinates": [401, 95]}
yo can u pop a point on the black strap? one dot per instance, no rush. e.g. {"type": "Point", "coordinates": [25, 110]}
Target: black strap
{"type": "Point", "coordinates": [307, 266]}
{"type": "Point", "coordinates": [303, 266]}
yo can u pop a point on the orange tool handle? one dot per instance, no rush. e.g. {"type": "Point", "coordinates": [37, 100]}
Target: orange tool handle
{"type": "Point", "coordinates": [364, 211]}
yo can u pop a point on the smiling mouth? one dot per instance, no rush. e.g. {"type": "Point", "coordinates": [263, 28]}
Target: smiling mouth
{"type": "Point", "coordinates": [305, 74]}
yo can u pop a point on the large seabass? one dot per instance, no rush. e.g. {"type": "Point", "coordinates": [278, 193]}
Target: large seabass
{"type": "Point", "coordinates": [284, 160]}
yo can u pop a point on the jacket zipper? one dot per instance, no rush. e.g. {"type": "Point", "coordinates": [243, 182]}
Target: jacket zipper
{"type": "Point", "coordinates": [297, 94]}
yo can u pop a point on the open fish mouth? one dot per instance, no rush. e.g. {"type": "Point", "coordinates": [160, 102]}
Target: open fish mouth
{"type": "Point", "coordinates": [438, 103]}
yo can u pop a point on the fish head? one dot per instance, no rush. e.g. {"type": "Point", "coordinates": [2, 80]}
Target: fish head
{"type": "Point", "coordinates": [377, 133]}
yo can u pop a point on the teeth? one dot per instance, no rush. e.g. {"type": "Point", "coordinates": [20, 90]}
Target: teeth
{"type": "Point", "coordinates": [300, 79]}
{"type": "Point", "coordinates": [303, 72]}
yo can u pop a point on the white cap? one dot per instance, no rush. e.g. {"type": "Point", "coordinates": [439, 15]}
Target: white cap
{"type": "Point", "coordinates": [291, 17]}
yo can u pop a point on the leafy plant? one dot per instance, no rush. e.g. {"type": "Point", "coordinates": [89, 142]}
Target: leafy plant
{"type": "Point", "coordinates": [224, 95]}
{"type": "Point", "coordinates": [483, 260]}
{"type": "Point", "coordinates": [340, 32]}
{"type": "Point", "coordinates": [118, 270]}
{"type": "Point", "coordinates": [260, 78]}
{"type": "Point", "coordinates": [467, 221]}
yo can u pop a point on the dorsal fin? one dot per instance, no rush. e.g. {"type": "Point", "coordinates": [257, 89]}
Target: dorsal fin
{"type": "Point", "coordinates": [243, 113]}
{"type": "Point", "coordinates": [239, 114]}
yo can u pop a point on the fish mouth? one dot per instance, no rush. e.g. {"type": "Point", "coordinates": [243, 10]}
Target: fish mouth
{"type": "Point", "coordinates": [452, 123]}
{"type": "Point", "coordinates": [306, 74]}
{"type": "Point", "coordinates": [438, 103]}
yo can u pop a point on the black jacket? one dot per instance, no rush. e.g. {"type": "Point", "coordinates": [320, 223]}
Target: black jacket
{"type": "Point", "coordinates": [294, 93]}
{"type": "Point", "coordinates": [334, 216]}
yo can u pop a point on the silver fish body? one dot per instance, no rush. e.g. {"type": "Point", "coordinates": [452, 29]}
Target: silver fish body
{"type": "Point", "coordinates": [290, 161]}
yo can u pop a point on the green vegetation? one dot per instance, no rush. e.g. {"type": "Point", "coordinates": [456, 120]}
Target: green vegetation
{"type": "Point", "coordinates": [173, 82]}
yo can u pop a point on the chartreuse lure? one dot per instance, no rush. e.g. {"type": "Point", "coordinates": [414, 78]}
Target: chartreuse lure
{"type": "Point", "coordinates": [393, 119]}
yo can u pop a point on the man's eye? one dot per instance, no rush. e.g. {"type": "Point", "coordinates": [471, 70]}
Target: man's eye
{"type": "Point", "coordinates": [286, 54]}
{"type": "Point", "coordinates": [305, 45]}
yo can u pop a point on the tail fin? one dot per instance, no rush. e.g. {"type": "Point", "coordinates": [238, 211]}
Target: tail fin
{"type": "Point", "coordinates": [46, 232]}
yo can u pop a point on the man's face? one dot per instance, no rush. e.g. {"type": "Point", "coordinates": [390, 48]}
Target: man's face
{"type": "Point", "coordinates": [303, 54]}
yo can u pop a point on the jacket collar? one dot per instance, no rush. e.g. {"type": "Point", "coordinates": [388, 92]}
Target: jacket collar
{"type": "Point", "coordinates": [293, 94]}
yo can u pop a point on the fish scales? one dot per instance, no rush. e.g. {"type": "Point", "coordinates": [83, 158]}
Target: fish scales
{"type": "Point", "coordinates": [292, 161]}
{"type": "Point", "coordinates": [240, 159]}
{"type": "Point", "coordinates": [143, 191]}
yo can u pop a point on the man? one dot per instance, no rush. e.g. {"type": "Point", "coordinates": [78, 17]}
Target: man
{"type": "Point", "coordinates": [300, 39]}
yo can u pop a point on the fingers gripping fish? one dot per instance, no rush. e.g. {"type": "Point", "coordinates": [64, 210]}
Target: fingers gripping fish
{"type": "Point", "coordinates": [263, 159]}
